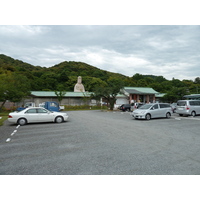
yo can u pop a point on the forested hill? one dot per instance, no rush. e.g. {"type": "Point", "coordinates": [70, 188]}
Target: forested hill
{"type": "Point", "coordinates": [65, 73]}
{"type": "Point", "coordinates": [63, 76]}
{"type": "Point", "coordinates": [10, 64]}
{"type": "Point", "coordinates": [71, 68]}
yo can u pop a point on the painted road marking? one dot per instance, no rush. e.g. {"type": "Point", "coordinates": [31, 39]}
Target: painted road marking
{"type": "Point", "coordinates": [177, 118]}
{"type": "Point", "coordinates": [13, 132]}
{"type": "Point", "coordinates": [192, 118]}
{"type": "Point", "coordinates": [9, 139]}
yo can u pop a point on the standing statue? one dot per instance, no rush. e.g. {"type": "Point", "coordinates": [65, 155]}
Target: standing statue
{"type": "Point", "coordinates": [79, 86]}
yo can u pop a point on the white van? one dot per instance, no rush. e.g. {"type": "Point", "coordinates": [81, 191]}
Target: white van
{"type": "Point", "coordinates": [153, 110]}
{"type": "Point", "coordinates": [188, 107]}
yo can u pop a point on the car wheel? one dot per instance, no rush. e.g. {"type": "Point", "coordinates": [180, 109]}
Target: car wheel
{"type": "Point", "coordinates": [22, 121]}
{"type": "Point", "coordinates": [168, 115]}
{"type": "Point", "coordinates": [148, 116]}
{"type": "Point", "coordinates": [59, 119]}
{"type": "Point", "coordinates": [193, 114]}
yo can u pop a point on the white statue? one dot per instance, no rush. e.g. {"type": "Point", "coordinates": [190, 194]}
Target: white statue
{"type": "Point", "coordinates": [79, 86]}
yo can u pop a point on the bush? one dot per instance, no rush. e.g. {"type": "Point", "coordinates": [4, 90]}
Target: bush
{"type": "Point", "coordinates": [84, 107]}
{"type": "Point", "coordinates": [11, 109]}
{"type": "Point", "coordinates": [3, 117]}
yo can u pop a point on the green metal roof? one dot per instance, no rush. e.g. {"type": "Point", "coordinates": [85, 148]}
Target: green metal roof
{"type": "Point", "coordinates": [140, 90]}
{"type": "Point", "coordinates": [52, 94]}
{"type": "Point", "coordinates": [192, 96]}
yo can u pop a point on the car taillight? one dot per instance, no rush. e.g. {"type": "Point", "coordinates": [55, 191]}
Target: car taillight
{"type": "Point", "coordinates": [9, 116]}
{"type": "Point", "coordinates": [187, 108]}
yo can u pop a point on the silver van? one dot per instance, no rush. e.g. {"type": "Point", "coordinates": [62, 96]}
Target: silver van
{"type": "Point", "coordinates": [188, 107]}
{"type": "Point", "coordinates": [153, 110]}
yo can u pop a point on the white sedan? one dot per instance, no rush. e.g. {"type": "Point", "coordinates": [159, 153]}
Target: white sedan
{"type": "Point", "coordinates": [36, 114]}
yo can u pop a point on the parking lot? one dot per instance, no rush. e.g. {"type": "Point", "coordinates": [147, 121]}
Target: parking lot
{"type": "Point", "coordinates": [98, 143]}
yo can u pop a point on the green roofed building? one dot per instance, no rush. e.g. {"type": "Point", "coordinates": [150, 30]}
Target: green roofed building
{"type": "Point", "coordinates": [139, 94]}
{"type": "Point", "coordinates": [130, 95]}
{"type": "Point", "coordinates": [127, 95]}
{"type": "Point", "coordinates": [69, 98]}
{"type": "Point", "coordinates": [192, 96]}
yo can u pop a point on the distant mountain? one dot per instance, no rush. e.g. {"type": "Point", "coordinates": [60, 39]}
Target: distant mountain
{"type": "Point", "coordinates": [64, 75]}
{"type": "Point", "coordinates": [71, 67]}
{"type": "Point", "coordinates": [48, 78]}
{"type": "Point", "coordinates": [11, 64]}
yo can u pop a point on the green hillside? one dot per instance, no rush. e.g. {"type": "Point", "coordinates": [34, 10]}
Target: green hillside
{"type": "Point", "coordinates": [63, 76]}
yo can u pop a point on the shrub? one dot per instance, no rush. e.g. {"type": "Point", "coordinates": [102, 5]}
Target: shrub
{"type": "Point", "coordinates": [84, 107]}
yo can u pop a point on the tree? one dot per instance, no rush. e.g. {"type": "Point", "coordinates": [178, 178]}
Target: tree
{"type": "Point", "coordinates": [197, 80]}
{"type": "Point", "coordinates": [137, 77]}
{"type": "Point", "coordinates": [175, 94]}
{"type": "Point", "coordinates": [60, 93]}
{"type": "Point", "coordinates": [91, 83]}
{"type": "Point", "coordinates": [109, 92]}
{"type": "Point", "coordinates": [14, 87]}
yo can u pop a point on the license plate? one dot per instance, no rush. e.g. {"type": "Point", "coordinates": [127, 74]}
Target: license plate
{"type": "Point", "coordinates": [180, 108]}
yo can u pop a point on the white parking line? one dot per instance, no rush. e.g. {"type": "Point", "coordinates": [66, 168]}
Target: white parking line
{"type": "Point", "coordinates": [177, 118]}
{"type": "Point", "coordinates": [9, 139]}
{"type": "Point", "coordinates": [13, 132]}
{"type": "Point", "coordinates": [190, 117]}
{"type": "Point", "coordinates": [17, 126]}
{"type": "Point", "coordinates": [193, 118]}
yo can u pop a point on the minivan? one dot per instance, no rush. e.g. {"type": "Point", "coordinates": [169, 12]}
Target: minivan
{"type": "Point", "coordinates": [153, 110]}
{"type": "Point", "coordinates": [188, 107]}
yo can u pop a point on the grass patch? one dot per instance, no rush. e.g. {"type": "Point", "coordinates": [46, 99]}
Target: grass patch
{"type": "Point", "coordinates": [3, 116]}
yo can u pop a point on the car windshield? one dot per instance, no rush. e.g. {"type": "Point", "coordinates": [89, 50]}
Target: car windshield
{"type": "Point", "coordinates": [146, 106]}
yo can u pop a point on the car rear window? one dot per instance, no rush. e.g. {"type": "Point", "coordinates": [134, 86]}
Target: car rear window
{"type": "Point", "coordinates": [181, 103]}
{"type": "Point", "coordinates": [31, 111]}
{"type": "Point", "coordinates": [194, 103]}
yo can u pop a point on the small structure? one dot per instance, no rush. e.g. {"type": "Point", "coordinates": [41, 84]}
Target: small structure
{"type": "Point", "coordinates": [139, 94]}
{"type": "Point", "coordinates": [70, 98]}
{"type": "Point", "coordinates": [79, 87]}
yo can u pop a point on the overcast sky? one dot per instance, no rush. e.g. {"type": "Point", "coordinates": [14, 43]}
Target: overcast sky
{"type": "Point", "coordinates": [169, 51]}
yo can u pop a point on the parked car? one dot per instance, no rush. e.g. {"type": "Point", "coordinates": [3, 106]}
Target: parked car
{"type": "Point", "coordinates": [36, 114]}
{"type": "Point", "coordinates": [125, 107]}
{"type": "Point", "coordinates": [188, 107]}
{"type": "Point", "coordinates": [153, 110]}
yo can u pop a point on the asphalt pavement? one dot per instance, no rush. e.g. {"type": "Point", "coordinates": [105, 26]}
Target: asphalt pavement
{"type": "Point", "coordinates": [102, 143]}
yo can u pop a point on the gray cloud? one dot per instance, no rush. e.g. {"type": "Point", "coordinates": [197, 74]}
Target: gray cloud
{"type": "Point", "coordinates": [170, 51]}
